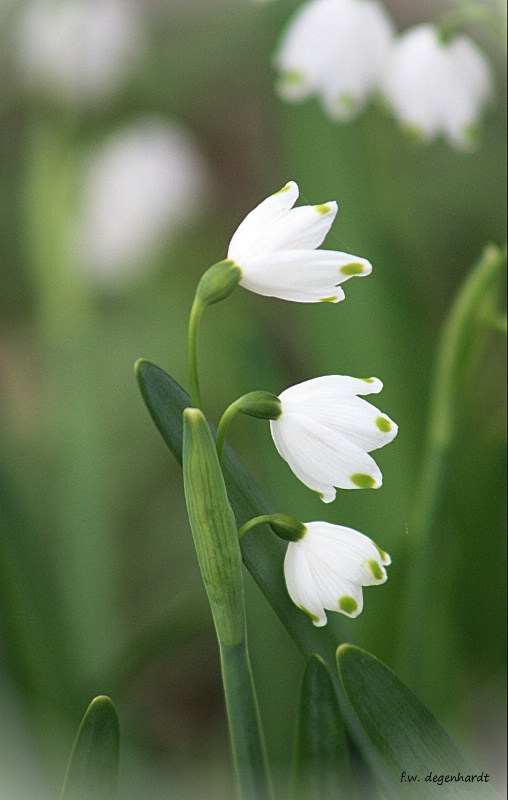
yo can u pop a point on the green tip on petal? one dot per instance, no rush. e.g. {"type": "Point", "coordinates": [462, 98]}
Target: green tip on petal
{"type": "Point", "coordinates": [348, 604]}
{"type": "Point", "coordinates": [413, 132]}
{"type": "Point", "coordinates": [309, 614]}
{"type": "Point", "coordinates": [471, 134]}
{"type": "Point", "coordinates": [363, 481]}
{"type": "Point", "coordinates": [348, 101]}
{"type": "Point", "coordinates": [385, 558]}
{"type": "Point", "coordinates": [384, 424]}
{"type": "Point", "coordinates": [375, 569]}
{"type": "Point", "coordinates": [293, 78]}
{"type": "Point", "coordinates": [352, 269]}
{"type": "Point", "coordinates": [323, 208]}
{"type": "Point", "coordinates": [328, 299]}
{"type": "Point", "coordinates": [285, 188]}
{"type": "Point", "coordinates": [368, 380]}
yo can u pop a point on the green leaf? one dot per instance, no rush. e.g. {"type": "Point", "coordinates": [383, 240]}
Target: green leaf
{"type": "Point", "coordinates": [416, 750]}
{"type": "Point", "coordinates": [322, 766]}
{"type": "Point", "coordinates": [92, 772]}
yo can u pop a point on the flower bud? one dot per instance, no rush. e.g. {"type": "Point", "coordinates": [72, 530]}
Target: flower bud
{"type": "Point", "coordinates": [287, 527]}
{"type": "Point", "coordinates": [218, 282]}
{"type": "Point", "coordinates": [263, 405]}
{"type": "Point", "coordinates": [213, 528]}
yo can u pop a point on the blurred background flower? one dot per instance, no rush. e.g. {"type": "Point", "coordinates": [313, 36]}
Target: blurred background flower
{"type": "Point", "coordinates": [78, 49]}
{"type": "Point", "coordinates": [129, 155]}
{"type": "Point", "coordinates": [139, 186]}
{"type": "Point", "coordinates": [436, 86]}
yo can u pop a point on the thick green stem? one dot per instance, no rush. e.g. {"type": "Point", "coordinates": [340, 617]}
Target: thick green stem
{"type": "Point", "coordinates": [244, 725]}
{"type": "Point", "coordinates": [427, 534]}
{"type": "Point", "coordinates": [194, 320]}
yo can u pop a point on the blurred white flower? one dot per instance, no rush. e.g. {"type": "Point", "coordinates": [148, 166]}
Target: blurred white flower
{"type": "Point", "coordinates": [275, 249]}
{"type": "Point", "coordinates": [327, 568]}
{"type": "Point", "coordinates": [78, 49]}
{"type": "Point", "coordinates": [325, 432]}
{"type": "Point", "coordinates": [139, 187]}
{"type": "Point", "coordinates": [335, 49]}
{"type": "Point", "coordinates": [438, 87]}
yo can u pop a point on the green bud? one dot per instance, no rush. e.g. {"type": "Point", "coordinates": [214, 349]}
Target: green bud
{"type": "Point", "coordinates": [287, 527]}
{"type": "Point", "coordinates": [218, 282]}
{"type": "Point", "coordinates": [263, 405]}
{"type": "Point", "coordinates": [214, 529]}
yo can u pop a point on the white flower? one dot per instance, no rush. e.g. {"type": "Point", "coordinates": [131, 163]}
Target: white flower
{"type": "Point", "coordinates": [325, 433]}
{"type": "Point", "coordinates": [139, 186]}
{"type": "Point", "coordinates": [327, 568]}
{"type": "Point", "coordinates": [335, 49]}
{"type": "Point", "coordinates": [438, 87]}
{"type": "Point", "coordinates": [275, 249]}
{"type": "Point", "coordinates": [78, 49]}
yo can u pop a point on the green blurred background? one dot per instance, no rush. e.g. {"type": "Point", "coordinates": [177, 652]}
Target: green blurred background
{"type": "Point", "coordinates": [99, 587]}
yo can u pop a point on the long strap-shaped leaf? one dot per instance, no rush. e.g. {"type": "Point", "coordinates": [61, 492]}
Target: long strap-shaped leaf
{"type": "Point", "coordinates": [419, 754]}
{"type": "Point", "coordinates": [92, 772]}
{"type": "Point", "coordinates": [322, 767]}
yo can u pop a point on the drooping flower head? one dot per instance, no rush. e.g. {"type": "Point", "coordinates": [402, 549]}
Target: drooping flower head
{"type": "Point", "coordinates": [275, 249]}
{"type": "Point", "coordinates": [327, 567]}
{"type": "Point", "coordinates": [325, 432]}
{"type": "Point", "coordinates": [438, 87]}
{"type": "Point", "coordinates": [336, 50]}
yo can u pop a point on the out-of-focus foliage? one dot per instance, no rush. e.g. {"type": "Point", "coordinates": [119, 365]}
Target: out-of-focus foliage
{"type": "Point", "coordinates": [100, 591]}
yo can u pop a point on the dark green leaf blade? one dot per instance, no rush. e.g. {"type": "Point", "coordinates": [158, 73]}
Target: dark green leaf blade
{"type": "Point", "coordinates": [322, 766]}
{"type": "Point", "coordinates": [408, 738]}
{"type": "Point", "coordinates": [92, 772]}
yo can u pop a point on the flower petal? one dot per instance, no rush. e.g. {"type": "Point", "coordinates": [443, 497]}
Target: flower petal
{"type": "Point", "coordinates": [300, 584]}
{"type": "Point", "coordinates": [305, 276]}
{"type": "Point", "coordinates": [333, 387]}
{"type": "Point", "coordinates": [245, 240]}
{"type": "Point", "coordinates": [302, 228]}
{"type": "Point", "coordinates": [323, 458]}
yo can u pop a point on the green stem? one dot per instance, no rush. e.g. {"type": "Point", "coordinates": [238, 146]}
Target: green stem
{"type": "Point", "coordinates": [222, 428]}
{"type": "Point", "coordinates": [264, 519]}
{"type": "Point", "coordinates": [244, 726]}
{"type": "Point", "coordinates": [195, 318]}
{"type": "Point", "coordinates": [426, 532]}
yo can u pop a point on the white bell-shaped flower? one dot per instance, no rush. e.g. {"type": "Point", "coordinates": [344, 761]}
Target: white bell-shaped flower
{"type": "Point", "coordinates": [327, 568]}
{"type": "Point", "coordinates": [275, 249]}
{"type": "Point", "coordinates": [80, 50]}
{"type": "Point", "coordinates": [141, 184]}
{"type": "Point", "coordinates": [438, 87]}
{"type": "Point", "coordinates": [325, 432]}
{"type": "Point", "coordinates": [335, 49]}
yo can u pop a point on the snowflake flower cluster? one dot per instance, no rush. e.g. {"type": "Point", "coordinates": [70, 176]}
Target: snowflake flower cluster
{"type": "Point", "coordinates": [323, 428]}
{"type": "Point", "coordinates": [345, 51]}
